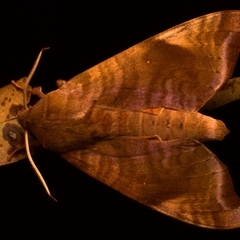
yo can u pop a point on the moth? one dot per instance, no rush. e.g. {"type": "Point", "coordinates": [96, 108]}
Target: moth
{"type": "Point", "coordinates": [132, 121]}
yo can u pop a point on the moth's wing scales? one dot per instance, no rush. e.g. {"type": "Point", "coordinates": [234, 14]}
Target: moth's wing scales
{"type": "Point", "coordinates": [180, 178]}
{"type": "Point", "coordinates": [180, 68]}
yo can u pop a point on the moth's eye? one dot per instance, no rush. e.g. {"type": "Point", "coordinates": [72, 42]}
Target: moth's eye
{"type": "Point", "coordinates": [13, 133]}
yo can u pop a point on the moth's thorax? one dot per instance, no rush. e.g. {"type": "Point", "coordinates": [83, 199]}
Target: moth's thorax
{"type": "Point", "coordinates": [58, 120]}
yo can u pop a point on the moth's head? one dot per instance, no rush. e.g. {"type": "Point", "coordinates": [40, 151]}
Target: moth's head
{"type": "Point", "coordinates": [22, 117]}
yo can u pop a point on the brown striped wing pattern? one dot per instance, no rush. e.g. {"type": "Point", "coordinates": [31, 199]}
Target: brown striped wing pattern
{"type": "Point", "coordinates": [179, 69]}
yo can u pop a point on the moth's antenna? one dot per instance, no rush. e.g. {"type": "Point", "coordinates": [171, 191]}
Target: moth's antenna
{"type": "Point", "coordinates": [35, 167]}
{"type": "Point", "coordinates": [25, 90]}
{"type": "Point", "coordinates": [30, 76]}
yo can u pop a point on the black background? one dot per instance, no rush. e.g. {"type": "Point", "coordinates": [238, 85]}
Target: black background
{"type": "Point", "coordinates": [81, 35]}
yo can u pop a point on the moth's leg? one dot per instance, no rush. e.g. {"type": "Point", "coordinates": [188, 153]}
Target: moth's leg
{"type": "Point", "coordinates": [18, 148]}
{"type": "Point", "coordinates": [154, 111]}
{"type": "Point", "coordinates": [20, 87]}
{"type": "Point", "coordinates": [14, 151]}
{"type": "Point", "coordinates": [37, 91]}
{"type": "Point", "coordinates": [154, 137]}
{"type": "Point", "coordinates": [34, 91]}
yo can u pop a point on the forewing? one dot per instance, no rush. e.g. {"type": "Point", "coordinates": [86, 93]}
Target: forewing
{"type": "Point", "coordinates": [180, 68]}
{"type": "Point", "coordinates": [180, 178]}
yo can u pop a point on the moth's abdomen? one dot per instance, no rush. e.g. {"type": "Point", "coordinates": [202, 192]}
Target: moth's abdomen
{"type": "Point", "coordinates": [167, 124]}
{"type": "Point", "coordinates": [178, 125]}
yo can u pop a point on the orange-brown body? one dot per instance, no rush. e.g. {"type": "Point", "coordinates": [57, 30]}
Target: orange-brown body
{"type": "Point", "coordinates": [132, 121]}
{"type": "Point", "coordinates": [62, 126]}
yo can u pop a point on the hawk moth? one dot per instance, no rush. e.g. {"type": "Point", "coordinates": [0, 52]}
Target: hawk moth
{"type": "Point", "coordinates": [132, 121]}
